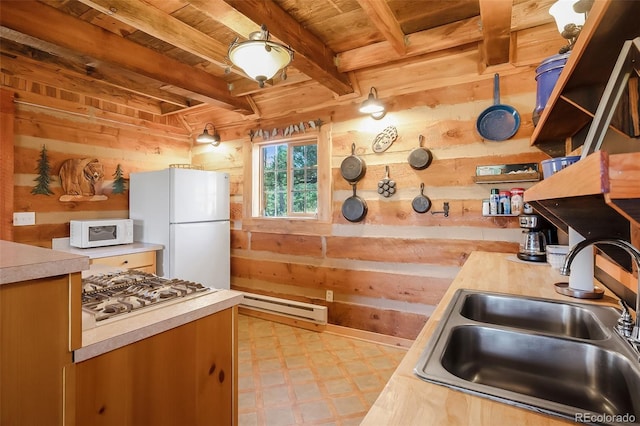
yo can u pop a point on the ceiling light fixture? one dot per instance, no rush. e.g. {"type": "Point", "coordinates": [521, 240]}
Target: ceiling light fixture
{"type": "Point", "coordinates": [259, 57]}
{"type": "Point", "coordinates": [568, 21]}
{"type": "Point", "coordinates": [205, 137]}
{"type": "Point", "coordinates": [373, 106]}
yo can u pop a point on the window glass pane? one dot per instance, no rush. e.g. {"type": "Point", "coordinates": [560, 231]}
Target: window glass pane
{"type": "Point", "coordinates": [269, 158]}
{"type": "Point", "coordinates": [281, 203]}
{"type": "Point", "coordinates": [299, 181]}
{"type": "Point", "coordinates": [289, 189]}
{"type": "Point", "coordinates": [312, 180]}
{"type": "Point", "coordinates": [281, 181]}
{"type": "Point", "coordinates": [269, 200]}
{"type": "Point", "coordinates": [311, 155]}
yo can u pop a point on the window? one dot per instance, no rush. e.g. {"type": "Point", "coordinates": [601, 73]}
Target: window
{"type": "Point", "coordinates": [289, 179]}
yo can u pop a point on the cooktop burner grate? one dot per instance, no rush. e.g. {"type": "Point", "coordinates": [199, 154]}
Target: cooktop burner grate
{"type": "Point", "coordinates": [105, 296]}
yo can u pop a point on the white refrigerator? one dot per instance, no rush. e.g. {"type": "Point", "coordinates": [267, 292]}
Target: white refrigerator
{"type": "Point", "coordinates": [187, 211]}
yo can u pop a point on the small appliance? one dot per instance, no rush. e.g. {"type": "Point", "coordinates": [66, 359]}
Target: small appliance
{"type": "Point", "coordinates": [534, 242]}
{"type": "Point", "coordinates": [100, 232]}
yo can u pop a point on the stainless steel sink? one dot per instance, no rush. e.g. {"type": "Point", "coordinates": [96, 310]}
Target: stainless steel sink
{"type": "Point", "coordinates": [539, 315]}
{"type": "Point", "coordinates": [511, 349]}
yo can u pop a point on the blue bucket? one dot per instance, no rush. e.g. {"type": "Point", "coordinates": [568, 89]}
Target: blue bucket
{"type": "Point", "coordinates": [547, 75]}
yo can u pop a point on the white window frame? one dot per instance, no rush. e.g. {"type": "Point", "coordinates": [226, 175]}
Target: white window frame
{"type": "Point", "coordinates": [320, 224]}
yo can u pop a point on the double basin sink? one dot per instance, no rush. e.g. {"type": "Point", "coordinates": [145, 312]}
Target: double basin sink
{"type": "Point", "coordinates": [563, 359]}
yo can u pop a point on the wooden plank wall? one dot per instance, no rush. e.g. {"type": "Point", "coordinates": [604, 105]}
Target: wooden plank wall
{"type": "Point", "coordinates": [71, 125]}
{"type": "Point", "coordinates": [389, 271]}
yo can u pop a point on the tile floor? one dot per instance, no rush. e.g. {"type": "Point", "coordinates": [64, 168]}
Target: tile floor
{"type": "Point", "coordinates": [292, 376]}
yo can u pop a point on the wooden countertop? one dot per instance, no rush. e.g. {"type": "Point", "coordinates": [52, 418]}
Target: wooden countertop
{"type": "Point", "coordinates": [407, 400]}
{"type": "Point", "coordinates": [22, 262]}
{"type": "Point", "coordinates": [135, 327]}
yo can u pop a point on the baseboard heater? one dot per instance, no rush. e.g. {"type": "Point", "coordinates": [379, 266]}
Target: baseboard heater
{"type": "Point", "coordinates": [288, 308]}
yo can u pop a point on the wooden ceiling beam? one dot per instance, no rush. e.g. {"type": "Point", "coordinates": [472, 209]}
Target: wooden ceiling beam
{"type": "Point", "coordinates": [311, 57]}
{"type": "Point", "coordinates": [496, 31]}
{"type": "Point", "coordinates": [18, 45]}
{"type": "Point", "coordinates": [440, 38]}
{"type": "Point", "coordinates": [385, 21]}
{"type": "Point", "coordinates": [153, 21]}
{"type": "Point", "coordinates": [49, 24]}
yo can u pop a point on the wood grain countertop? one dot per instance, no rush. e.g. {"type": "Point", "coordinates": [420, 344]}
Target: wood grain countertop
{"type": "Point", "coordinates": [407, 400]}
{"type": "Point", "coordinates": [22, 262]}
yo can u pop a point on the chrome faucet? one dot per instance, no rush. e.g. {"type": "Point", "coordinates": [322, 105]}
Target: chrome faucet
{"type": "Point", "coordinates": [625, 327]}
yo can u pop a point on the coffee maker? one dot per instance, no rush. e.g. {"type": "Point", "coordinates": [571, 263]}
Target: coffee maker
{"type": "Point", "coordinates": [536, 234]}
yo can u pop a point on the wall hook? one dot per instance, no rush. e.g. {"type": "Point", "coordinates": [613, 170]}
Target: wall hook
{"type": "Point", "coordinates": [445, 209]}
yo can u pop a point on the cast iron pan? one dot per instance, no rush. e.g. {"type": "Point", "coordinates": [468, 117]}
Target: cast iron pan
{"type": "Point", "coordinates": [421, 203]}
{"type": "Point", "coordinates": [420, 158]}
{"type": "Point", "coordinates": [498, 122]}
{"type": "Point", "coordinates": [354, 208]}
{"type": "Point", "coordinates": [353, 167]}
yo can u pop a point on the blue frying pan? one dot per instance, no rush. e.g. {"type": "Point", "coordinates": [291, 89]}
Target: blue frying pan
{"type": "Point", "coordinates": [498, 122]}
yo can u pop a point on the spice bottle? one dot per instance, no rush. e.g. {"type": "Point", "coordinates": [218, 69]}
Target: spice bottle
{"type": "Point", "coordinates": [493, 201]}
{"type": "Point", "coordinates": [505, 202]}
{"type": "Point", "coordinates": [517, 200]}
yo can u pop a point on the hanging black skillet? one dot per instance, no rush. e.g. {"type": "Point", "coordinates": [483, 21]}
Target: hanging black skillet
{"type": "Point", "coordinates": [354, 208]}
{"type": "Point", "coordinates": [420, 158]}
{"type": "Point", "coordinates": [353, 167]}
{"type": "Point", "coordinates": [421, 203]}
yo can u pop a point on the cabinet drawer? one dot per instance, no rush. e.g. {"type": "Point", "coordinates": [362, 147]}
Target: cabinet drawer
{"type": "Point", "coordinates": [142, 260]}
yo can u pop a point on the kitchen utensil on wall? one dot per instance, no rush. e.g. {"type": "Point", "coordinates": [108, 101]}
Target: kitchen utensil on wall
{"type": "Point", "coordinates": [353, 168]}
{"type": "Point", "coordinates": [421, 203]}
{"type": "Point", "coordinates": [386, 186]}
{"type": "Point", "coordinates": [420, 158]}
{"type": "Point", "coordinates": [498, 122]}
{"type": "Point", "coordinates": [384, 139]}
{"type": "Point", "coordinates": [354, 208]}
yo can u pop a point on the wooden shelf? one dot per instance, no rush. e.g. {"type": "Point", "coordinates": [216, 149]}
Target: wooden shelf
{"type": "Point", "coordinates": [501, 215]}
{"type": "Point", "coordinates": [597, 196]}
{"type": "Point", "coordinates": [575, 97]}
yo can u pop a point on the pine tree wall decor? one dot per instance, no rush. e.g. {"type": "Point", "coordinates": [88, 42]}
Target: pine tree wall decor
{"type": "Point", "coordinates": [118, 181]}
{"type": "Point", "coordinates": [44, 178]}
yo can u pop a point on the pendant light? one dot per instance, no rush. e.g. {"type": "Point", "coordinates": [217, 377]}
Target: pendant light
{"type": "Point", "coordinates": [568, 21]}
{"type": "Point", "coordinates": [373, 106]}
{"type": "Point", "coordinates": [259, 57]}
{"type": "Point", "coordinates": [205, 137]}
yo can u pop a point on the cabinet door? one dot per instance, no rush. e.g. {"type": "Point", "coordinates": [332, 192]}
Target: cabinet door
{"type": "Point", "coordinates": [182, 376]}
{"type": "Point", "coordinates": [216, 375]}
{"type": "Point", "coordinates": [34, 350]}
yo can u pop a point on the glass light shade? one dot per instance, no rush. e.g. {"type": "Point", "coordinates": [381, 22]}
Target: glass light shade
{"type": "Point", "coordinates": [260, 59]}
{"type": "Point", "coordinates": [371, 106]}
{"type": "Point", "coordinates": [562, 11]}
{"type": "Point", "coordinates": [205, 137]}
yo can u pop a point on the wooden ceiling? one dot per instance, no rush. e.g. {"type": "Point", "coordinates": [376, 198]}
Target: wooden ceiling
{"type": "Point", "coordinates": [170, 56]}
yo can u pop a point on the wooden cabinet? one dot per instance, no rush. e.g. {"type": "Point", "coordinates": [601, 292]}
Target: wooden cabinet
{"type": "Point", "coordinates": [579, 89]}
{"type": "Point", "coordinates": [144, 261]}
{"type": "Point", "coordinates": [35, 347]}
{"type": "Point", "coordinates": [185, 375]}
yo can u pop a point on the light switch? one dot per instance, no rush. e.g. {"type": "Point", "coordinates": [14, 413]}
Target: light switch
{"type": "Point", "coordinates": [24, 218]}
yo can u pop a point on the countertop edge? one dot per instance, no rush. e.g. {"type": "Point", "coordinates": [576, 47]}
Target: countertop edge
{"type": "Point", "coordinates": [23, 262]}
{"type": "Point", "coordinates": [104, 338]}
{"type": "Point", "coordinates": [62, 244]}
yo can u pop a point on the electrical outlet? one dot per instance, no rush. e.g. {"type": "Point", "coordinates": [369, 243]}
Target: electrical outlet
{"type": "Point", "coordinates": [24, 218]}
{"type": "Point", "coordinates": [329, 297]}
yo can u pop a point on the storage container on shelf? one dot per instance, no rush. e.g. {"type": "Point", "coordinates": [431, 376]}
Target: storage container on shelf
{"type": "Point", "coordinates": [554, 165]}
